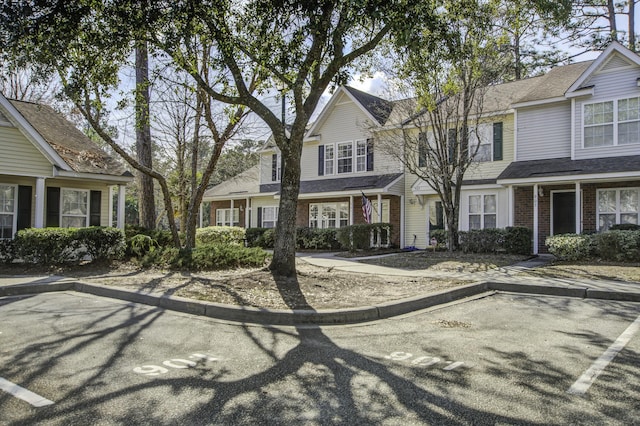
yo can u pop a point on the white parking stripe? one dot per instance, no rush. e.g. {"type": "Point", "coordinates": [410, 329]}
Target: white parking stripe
{"type": "Point", "coordinates": [24, 394]}
{"type": "Point", "coordinates": [585, 381]}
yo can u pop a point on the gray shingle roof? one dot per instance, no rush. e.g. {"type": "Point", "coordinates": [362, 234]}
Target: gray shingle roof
{"type": "Point", "coordinates": [360, 183]}
{"type": "Point", "coordinates": [569, 167]}
{"type": "Point", "coordinates": [75, 148]}
{"type": "Point", "coordinates": [247, 182]}
{"type": "Point", "coordinates": [555, 83]}
{"type": "Point", "coordinates": [379, 108]}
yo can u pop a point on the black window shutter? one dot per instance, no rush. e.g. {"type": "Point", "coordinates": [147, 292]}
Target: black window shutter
{"type": "Point", "coordinates": [53, 206]}
{"type": "Point", "coordinates": [497, 141]}
{"type": "Point", "coordinates": [95, 201]}
{"type": "Point", "coordinates": [24, 207]}
{"type": "Point", "coordinates": [321, 160]}
{"type": "Point", "coordinates": [369, 155]}
{"type": "Point", "coordinates": [274, 167]}
{"type": "Point", "coordinates": [259, 217]}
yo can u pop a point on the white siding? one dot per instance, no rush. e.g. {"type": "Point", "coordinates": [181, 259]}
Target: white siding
{"type": "Point", "coordinates": [20, 157]}
{"type": "Point", "coordinates": [502, 207]}
{"type": "Point", "coordinates": [261, 202]}
{"type": "Point", "coordinates": [491, 169]}
{"type": "Point", "coordinates": [544, 132]}
{"type": "Point", "coordinates": [84, 184]}
{"type": "Point", "coordinates": [346, 122]}
{"type": "Point", "coordinates": [610, 85]}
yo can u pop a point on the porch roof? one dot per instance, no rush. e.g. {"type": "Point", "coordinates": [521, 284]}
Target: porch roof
{"type": "Point", "coordinates": [351, 184]}
{"type": "Point", "coordinates": [567, 169]}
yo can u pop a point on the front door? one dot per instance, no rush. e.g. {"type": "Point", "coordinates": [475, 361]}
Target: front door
{"type": "Point", "coordinates": [564, 213]}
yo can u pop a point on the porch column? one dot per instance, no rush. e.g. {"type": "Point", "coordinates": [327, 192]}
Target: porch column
{"type": "Point", "coordinates": [231, 214]}
{"type": "Point", "coordinates": [351, 218]}
{"type": "Point", "coordinates": [39, 213]}
{"type": "Point", "coordinates": [110, 203]}
{"type": "Point", "coordinates": [120, 214]}
{"type": "Point", "coordinates": [247, 210]}
{"type": "Point", "coordinates": [535, 218]}
{"type": "Point", "coordinates": [402, 213]}
{"type": "Point", "coordinates": [578, 209]}
{"type": "Point", "coordinates": [510, 205]}
{"type": "Point", "coordinates": [379, 208]}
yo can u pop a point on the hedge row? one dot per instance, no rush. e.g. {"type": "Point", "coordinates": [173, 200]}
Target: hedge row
{"type": "Point", "coordinates": [512, 240]}
{"type": "Point", "coordinates": [616, 245]}
{"type": "Point", "coordinates": [54, 246]}
{"type": "Point", "coordinates": [206, 257]}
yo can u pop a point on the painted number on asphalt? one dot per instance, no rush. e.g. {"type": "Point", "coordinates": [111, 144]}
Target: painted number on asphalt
{"type": "Point", "coordinates": [175, 363]}
{"type": "Point", "coordinates": [423, 361]}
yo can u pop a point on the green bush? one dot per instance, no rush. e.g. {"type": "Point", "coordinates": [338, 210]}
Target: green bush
{"type": "Point", "coordinates": [140, 245]}
{"type": "Point", "coordinates": [260, 237]}
{"type": "Point", "coordinates": [518, 240]}
{"type": "Point", "coordinates": [482, 240]}
{"type": "Point", "coordinates": [7, 251]}
{"type": "Point", "coordinates": [358, 237]}
{"type": "Point", "coordinates": [220, 235]}
{"type": "Point", "coordinates": [102, 244]}
{"type": "Point", "coordinates": [620, 246]}
{"type": "Point", "coordinates": [625, 227]}
{"type": "Point", "coordinates": [207, 257]}
{"type": "Point", "coordinates": [316, 238]}
{"type": "Point", "coordinates": [161, 238]}
{"type": "Point", "coordinates": [49, 246]}
{"type": "Point", "coordinates": [571, 246]}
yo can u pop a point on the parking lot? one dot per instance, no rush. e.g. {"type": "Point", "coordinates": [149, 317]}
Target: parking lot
{"type": "Point", "coordinates": [69, 358]}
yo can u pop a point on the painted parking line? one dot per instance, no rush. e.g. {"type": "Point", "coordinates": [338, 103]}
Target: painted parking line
{"type": "Point", "coordinates": [24, 394]}
{"type": "Point", "coordinates": [585, 381]}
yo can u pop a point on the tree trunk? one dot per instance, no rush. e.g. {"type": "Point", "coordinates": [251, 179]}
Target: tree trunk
{"type": "Point", "coordinates": [632, 25]}
{"type": "Point", "coordinates": [611, 15]}
{"type": "Point", "coordinates": [284, 250]}
{"type": "Point", "coordinates": [146, 199]}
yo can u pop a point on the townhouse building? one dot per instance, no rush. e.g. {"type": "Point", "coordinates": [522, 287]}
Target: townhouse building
{"type": "Point", "coordinates": [558, 153]}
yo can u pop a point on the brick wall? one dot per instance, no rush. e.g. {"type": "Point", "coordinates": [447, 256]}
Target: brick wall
{"type": "Point", "coordinates": [215, 205]}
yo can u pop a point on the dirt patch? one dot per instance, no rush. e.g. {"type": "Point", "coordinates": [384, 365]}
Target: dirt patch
{"type": "Point", "coordinates": [322, 288]}
{"type": "Point", "coordinates": [445, 261]}
{"type": "Point", "coordinates": [593, 269]}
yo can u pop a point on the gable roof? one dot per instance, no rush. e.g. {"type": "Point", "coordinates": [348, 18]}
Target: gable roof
{"type": "Point", "coordinates": [375, 108]}
{"type": "Point", "coordinates": [603, 58]}
{"type": "Point", "coordinates": [555, 83]}
{"type": "Point", "coordinates": [77, 152]}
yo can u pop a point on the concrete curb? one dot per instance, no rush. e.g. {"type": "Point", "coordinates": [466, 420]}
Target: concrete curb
{"type": "Point", "coordinates": [322, 317]}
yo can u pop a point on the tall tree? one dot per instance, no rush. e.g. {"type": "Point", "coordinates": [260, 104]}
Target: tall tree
{"type": "Point", "coordinates": [302, 47]}
{"type": "Point", "coordinates": [146, 199]}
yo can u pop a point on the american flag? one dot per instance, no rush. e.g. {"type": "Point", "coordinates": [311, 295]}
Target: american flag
{"type": "Point", "coordinates": [367, 208]}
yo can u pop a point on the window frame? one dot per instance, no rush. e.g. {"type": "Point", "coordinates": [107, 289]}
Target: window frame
{"type": "Point", "coordinates": [347, 161]}
{"type": "Point", "coordinates": [340, 218]}
{"type": "Point", "coordinates": [615, 123]}
{"type": "Point", "coordinates": [64, 215]}
{"type": "Point", "coordinates": [474, 140]}
{"type": "Point", "coordinates": [14, 214]}
{"type": "Point", "coordinates": [332, 160]}
{"type": "Point", "coordinates": [232, 219]}
{"type": "Point", "coordinates": [331, 157]}
{"type": "Point", "coordinates": [482, 213]}
{"type": "Point", "coordinates": [274, 211]}
{"type": "Point", "coordinates": [618, 212]}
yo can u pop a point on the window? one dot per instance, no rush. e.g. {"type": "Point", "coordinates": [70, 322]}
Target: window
{"type": "Point", "coordinates": [328, 215]}
{"type": "Point", "coordinates": [351, 156]}
{"type": "Point", "coordinates": [75, 208]}
{"type": "Point", "coordinates": [481, 142]}
{"type": "Point", "coordinates": [345, 157]}
{"type": "Point", "coordinates": [361, 156]}
{"type": "Point", "coordinates": [612, 123]}
{"type": "Point", "coordinates": [482, 211]}
{"type": "Point", "coordinates": [269, 217]}
{"type": "Point", "coordinates": [223, 217]}
{"type": "Point", "coordinates": [617, 206]}
{"type": "Point", "coordinates": [276, 172]}
{"type": "Point", "coordinates": [7, 211]}
{"type": "Point", "coordinates": [328, 159]}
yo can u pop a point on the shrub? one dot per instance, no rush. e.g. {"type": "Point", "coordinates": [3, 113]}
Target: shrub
{"type": "Point", "coordinates": [103, 244]}
{"type": "Point", "coordinates": [625, 227]}
{"type": "Point", "coordinates": [141, 245]}
{"type": "Point", "coordinates": [49, 246]}
{"type": "Point", "coordinates": [220, 235]}
{"type": "Point", "coordinates": [162, 238]}
{"type": "Point", "coordinates": [570, 246]}
{"type": "Point", "coordinates": [358, 237]}
{"type": "Point", "coordinates": [7, 251]}
{"type": "Point", "coordinates": [518, 240]}
{"type": "Point", "coordinates": [482, 240]}
{"type": "Point", "coordinates": [260, 237]}
{"type": "Point", "coordinates": [207, 257]}
{"type": "Point", "coordinates": [316, 238]}
{"type": "Point", "coordinates": [618, 245]}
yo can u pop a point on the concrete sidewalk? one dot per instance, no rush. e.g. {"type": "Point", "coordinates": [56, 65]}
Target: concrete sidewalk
{"type": "Point", "coordinates": [507, 279]}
